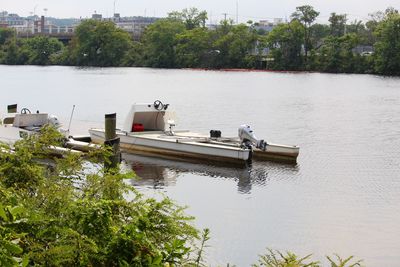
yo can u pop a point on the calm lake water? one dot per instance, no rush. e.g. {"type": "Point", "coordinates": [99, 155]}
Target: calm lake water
{"type": "Point", "coordinates": [342, 197]}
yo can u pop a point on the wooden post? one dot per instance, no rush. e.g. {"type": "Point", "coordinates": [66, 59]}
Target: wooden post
{"type": "Point", "coordinates": [112, 140]}
{"type": "Point", "coordinates": [110, 126]}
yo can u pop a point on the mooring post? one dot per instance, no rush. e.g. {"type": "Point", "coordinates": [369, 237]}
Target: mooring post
{"type": "Point", "coordinates": [112, 140]}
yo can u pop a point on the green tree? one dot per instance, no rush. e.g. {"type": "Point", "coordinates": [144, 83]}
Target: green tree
{"type": "Point", "coordinates": [337, 24]}
{"type": "Point", "coordinates": [40, 49]}
{"type": "Point", "coordinates": [359, 28]}
{"type": "Point", "coordinates": [318, 33]}
{"type": "Point", "coordinates": [159, 43]}
{"type": "Point", "coordinates": [6, 34]}
{"type": "Point", "coordinates": [99, 43]}
{"type": "Point", "coordinates": [285, 43]}
{"type": "Point", "coordinates": [387, 47]}
{"type": "Point", "coordinates": [14, 54]}
{"type": "Point", "coordinates": [356, 26]}
{"type": "Point", "coordinates": [336, 54]}
{"type": "Point", "coordinates": [372, 23]}
{"type": "Point", "coordinates": [134, 55]}
{"type": "Point", "coordinates": [192, 18]}
{"type": "Point", "coordinates": [234, 44]}
{"type": "Point", "coordinates": [306, 15]}
{"type": "Point", "coordinates": [193, 48]}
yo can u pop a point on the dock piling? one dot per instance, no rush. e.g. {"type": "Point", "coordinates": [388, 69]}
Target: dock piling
{"type": "Point", "coordinates": [112, 140]}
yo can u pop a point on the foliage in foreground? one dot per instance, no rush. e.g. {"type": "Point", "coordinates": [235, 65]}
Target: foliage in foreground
{"type": "Point", "coordinates": [278, 259]}
{"type": "Point", "coordinates": [68, 212]}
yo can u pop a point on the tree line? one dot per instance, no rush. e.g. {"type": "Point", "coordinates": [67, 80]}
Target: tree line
{"type": "Point", "coordinates": [182, 40]}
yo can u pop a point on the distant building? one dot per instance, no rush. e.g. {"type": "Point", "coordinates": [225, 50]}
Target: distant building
{"type": "Point", "coordinates": [8, 20]}
{"type": "Point", "coordinates": [212, 26]}
{"type": "Point", "coordinates": [266, 25]}
{"type": "Point", "coordinates": [54, 26]}
{"type": "Point", "coordinates": [134, 25]}
{"type": "Point", "coordinates": [259, 50]}
{"type": "Point", "coordinates": [96, 16]}
{"type": "Point", "coordinates": [363, 50]}
{"type": "Point", "coordinates": [278, 21]}
{"type": "Point", "coordinates": [117, 17]}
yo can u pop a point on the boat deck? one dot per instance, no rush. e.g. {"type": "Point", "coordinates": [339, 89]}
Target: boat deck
{"type": "Point", "coordinates": [190, 137]}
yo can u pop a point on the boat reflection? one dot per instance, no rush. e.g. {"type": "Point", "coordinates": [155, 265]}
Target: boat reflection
{"type": "Point", "coordinates": [158, 173]}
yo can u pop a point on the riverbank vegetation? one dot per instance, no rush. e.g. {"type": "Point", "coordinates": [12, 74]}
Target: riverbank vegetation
{"type": "Point", "coordinates": [72, 212]}
{"type": "Point", "coordinates": [278, 259]}
{"type": "Point", "coordinates": [182, 40]}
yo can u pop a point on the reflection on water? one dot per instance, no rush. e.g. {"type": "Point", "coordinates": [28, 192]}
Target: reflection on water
{"type": "Point", "coordinates": [158, 173]}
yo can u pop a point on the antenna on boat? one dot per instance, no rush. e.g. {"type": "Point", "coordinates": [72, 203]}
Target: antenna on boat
{"type": "Point", "coordinates": [70, 119]}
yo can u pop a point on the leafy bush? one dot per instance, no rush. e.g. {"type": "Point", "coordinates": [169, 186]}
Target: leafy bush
{"type": "Point", "coordinates": [70, 211]}
{"type": "Point", "coordinates": [277, 259]}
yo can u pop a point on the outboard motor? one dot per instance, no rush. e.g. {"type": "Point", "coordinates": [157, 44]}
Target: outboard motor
{"type": "Point", "coordinates": [53, 120]}
{"type": "Point", "coordinates": [248, 138]}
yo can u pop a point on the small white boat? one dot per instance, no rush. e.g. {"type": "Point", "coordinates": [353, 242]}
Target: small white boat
{"type": "Point", "coordinates": [148, 129]}
{"type": "Point", "coordinates": [14, 126]}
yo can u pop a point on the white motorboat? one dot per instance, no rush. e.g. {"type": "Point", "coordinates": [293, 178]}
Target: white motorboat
{"type": "Point", "coordinates": [148, 129]}
{"type": "Point", "coordinates": [14, 126]}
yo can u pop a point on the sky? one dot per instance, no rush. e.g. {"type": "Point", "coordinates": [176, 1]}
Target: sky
{"type": "Point", "coordinates": [248, 9]}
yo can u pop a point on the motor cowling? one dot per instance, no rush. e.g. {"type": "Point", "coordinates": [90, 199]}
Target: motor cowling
{"type": "Point", "coordinates": [248, 138]}
{"type": "Point", "coordinates": [53, 120]}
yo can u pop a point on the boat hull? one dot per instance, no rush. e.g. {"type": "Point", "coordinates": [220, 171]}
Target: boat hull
{"type": "Point", "coordinates": [150, 144]}
{"type": "Point", "coordinates": [199, 147]}
{"type": "Point", "coordinates": [275, 152]}
{"type": "Point", "coordinates": [10, 134]}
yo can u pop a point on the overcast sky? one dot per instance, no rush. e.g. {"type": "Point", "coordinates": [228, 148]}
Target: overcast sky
{"type": "Point", "coordinates": [248, 10]}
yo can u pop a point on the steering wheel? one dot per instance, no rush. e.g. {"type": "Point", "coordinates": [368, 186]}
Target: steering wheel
{"type": "Point", "coordinates": [158, 105]}
{"type": "Point", "coordinates": [25, 111]}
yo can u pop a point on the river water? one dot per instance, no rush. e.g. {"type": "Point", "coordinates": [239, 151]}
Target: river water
{"type": "Point", "coordinates": [343, 196]}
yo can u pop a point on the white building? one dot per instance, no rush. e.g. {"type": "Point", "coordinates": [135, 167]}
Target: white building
{"type": "Point", "coordinates": [11, 19]}
{"type": "Point", "coordinates": [134, 25]}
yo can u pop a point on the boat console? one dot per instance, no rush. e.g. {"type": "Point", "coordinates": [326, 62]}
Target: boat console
{"type": "Point", "coordinates": [148, 117]}
{"type": "Point", "coordinates": [30, 121]}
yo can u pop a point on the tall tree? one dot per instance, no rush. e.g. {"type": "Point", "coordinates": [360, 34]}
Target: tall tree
{"type": "Point", "coordinates": [192, 18]}
{"type": "Point", "coordinates": [99, 43]}
{"type": "Point", "coordinates": [306, 15]}
{"type": "Point", "coordinates": [193, 48]}
{"type": "Point", "coordinates": [159, 42]}
{"type": "Point", "coordinates": [285, 42]}
{"type": "Point", "coordinates": [234, 44]}
{"type": "Point", "coordinates": [6, 34]}
{"type": "Point", "coordinates": [318, 33]}
{"type": "Point", "coordinates": [387, 48]}
{"type": "Point", "coordinates": [40, 49]}
{"type": "Point", "coordinates": [336, 54]}
{"type": "Point", "coordinates": [374, 19]}
{"type": "Point", "coordinates": [356, 26]}
{"type": "Point", "coordinates": [337, 24]}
